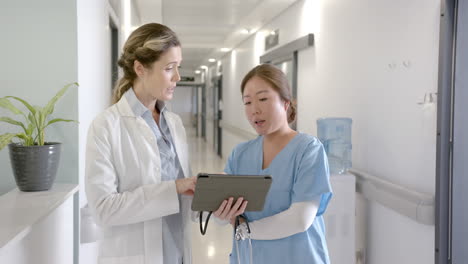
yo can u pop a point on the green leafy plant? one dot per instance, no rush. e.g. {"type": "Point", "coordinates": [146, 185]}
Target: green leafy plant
{"type": "Point", "coordinates": [35, 120]}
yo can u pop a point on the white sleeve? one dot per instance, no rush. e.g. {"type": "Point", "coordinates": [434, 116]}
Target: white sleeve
{"type": "Point", "coordinates": [298, 218]}
{"type": "Point", "coordinates": [111, 207]}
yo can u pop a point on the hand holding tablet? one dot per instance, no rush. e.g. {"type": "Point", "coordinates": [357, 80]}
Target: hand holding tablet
{"type": "Point", "coordinates": [212, 189]}
{"type": "Point", "coordinates": [230, 208]}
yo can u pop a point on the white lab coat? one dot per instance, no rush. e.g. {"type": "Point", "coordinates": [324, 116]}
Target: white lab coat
{"type": "Point", "coordinates": [124, 189]}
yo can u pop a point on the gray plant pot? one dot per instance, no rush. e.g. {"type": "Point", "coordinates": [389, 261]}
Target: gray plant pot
{"type": "Point", "coordinates": [34, 167]}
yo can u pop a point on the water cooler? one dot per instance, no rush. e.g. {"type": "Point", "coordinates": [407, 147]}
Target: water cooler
{"type": "Point", "coordinates": [335, 135]}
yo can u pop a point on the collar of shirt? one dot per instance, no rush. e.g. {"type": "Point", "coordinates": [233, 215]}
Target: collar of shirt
{"type": "Point", "coordinates": [137, 107]}
{"type": "Point", "coordinates": [161, 131]}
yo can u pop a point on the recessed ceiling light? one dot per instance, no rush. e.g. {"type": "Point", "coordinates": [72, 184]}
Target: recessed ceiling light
{"type": "Point", "coordinates": [197, 72]}
{"type": "Point", "coordinates": [204, 67]}
{"type": "Point", "coordinates": [211, 60]}
{"type": "Point", "coordinates": [225, 49]}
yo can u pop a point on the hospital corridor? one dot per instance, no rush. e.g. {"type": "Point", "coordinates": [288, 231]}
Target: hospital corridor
{"type": "Point", "coordinates": [233, 132]}
{"type": "Point", "coordinates": [215, 246]}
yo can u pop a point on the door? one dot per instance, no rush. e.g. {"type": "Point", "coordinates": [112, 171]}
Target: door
{"type": "Point", "coordinates": [114, 49]}
{"type": "Point", "coordinates": [451, 232]}
{"type": "Point", "coordinates": [203, 112]}
{"type": "Point", "coordinates": [218, 114]}
{"type": "Point", "coordinates": [289, 67]}
{"type": "Point", "coordinates": [460, 140]}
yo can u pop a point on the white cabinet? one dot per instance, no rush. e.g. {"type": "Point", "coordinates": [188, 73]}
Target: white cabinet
{"type": "Point", "coordinates": [38, 227]}
{"type": "Point", "coordinates": [340, 219]}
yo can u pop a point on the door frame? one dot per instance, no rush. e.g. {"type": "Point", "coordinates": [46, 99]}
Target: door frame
{"type": "Point", "coordinates": [217, 82]}
{"type": "Point", "coordinates": [452, 127]}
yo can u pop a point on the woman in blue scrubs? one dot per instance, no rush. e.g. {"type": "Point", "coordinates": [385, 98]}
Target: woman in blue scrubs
{"type": "Point", "coordinates": [290, 229]}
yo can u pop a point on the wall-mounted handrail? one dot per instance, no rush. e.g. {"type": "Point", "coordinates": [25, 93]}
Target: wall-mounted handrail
{"type": "Point", "coordinates": [237, 131]}
{"type": "Point", "coordinates": [413, 204]}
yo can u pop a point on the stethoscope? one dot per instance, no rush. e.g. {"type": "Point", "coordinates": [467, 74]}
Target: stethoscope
{"type": "Point", "coordinates": [240, 233]}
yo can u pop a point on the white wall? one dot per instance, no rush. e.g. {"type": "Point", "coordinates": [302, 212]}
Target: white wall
{"type": "Point", "coordinates": [235, 65]}
{"type": "Point", "coordinates": [393, 56]}
{"type": "Point", "coordinates": [372, 61]}
{"type": "Point", "coordinates": [94, 73]}
{"type": "Point", "coordinates": [31, 247]}
{"type": "Point", "coordinates": [39, 55]}
{"type": "Point", "coordinates": [94, 69]}
{"type": "Point", "coordinates": [182, 104]}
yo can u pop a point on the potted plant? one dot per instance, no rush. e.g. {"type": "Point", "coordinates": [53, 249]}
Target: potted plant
{"type": "Point", "coordinates": [34, 161]}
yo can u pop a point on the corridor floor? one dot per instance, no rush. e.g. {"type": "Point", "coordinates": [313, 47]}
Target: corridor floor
{"type": "Point", "coordinates": [215, 245]}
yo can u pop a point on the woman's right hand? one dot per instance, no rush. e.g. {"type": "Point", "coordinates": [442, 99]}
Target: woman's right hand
{"type": "Point", "coordinates": [228, 211]}
{"type": "Point", "coordinates": [186, 186]}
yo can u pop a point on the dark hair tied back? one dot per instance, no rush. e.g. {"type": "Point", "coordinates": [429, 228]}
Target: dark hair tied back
{"type": "Point", "coordinates": [278, 81]}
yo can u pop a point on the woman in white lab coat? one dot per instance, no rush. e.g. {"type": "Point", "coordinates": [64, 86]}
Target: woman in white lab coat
{"type": "Point", "coordinates": [138, 180]}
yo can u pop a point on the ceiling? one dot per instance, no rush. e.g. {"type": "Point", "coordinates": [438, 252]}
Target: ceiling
{"type": "Point", "coordinates": [205, 26]}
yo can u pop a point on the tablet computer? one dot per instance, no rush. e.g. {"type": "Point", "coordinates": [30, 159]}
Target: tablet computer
{"type": "Point", "coordinates": [212, 189]}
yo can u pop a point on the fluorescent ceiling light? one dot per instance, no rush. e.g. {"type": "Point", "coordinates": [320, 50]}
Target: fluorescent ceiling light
{"type": "Point", "coordinates": [211, 60]}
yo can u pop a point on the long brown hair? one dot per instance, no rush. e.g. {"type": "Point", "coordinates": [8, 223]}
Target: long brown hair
{"type": "Point", "coordinates": [278, 81]}
{"type": "Point", "coordinates": [146, 44]}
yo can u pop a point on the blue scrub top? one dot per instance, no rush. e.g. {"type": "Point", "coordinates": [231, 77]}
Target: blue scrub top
{"type": "Point", "coordinates": [300, 173]}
